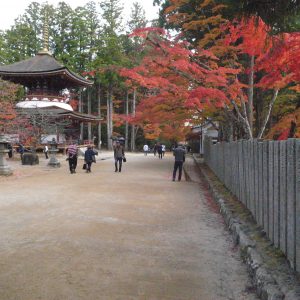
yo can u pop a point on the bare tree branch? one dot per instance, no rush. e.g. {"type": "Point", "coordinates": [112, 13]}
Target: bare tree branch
{"type": "Point", "coordinates": [267, 117]}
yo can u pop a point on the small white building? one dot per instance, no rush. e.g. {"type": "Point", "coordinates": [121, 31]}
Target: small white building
{"type": "Point", "coordinates": [198, 134]}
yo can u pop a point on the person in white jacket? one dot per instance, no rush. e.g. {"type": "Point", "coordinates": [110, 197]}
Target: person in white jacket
{"type": "Point", "coordinates": [146, 149]}
{"type": "Point", "coordinates": [46, 150]}
{"type": "Point", "coordinates": [163, 149]}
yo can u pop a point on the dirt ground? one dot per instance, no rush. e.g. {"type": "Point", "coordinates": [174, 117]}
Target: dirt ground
{"type": "Point", "coordinates": [106, 235]}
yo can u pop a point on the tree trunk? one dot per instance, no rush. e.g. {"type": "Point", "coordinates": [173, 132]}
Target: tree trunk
{"type": "Point", "coordinates": [126, 123]}
{"type": "Point", "coordinates": [99, 114]}
{"type": "Point", "coordinates": [80, 108]}
{"type": "Point", "coordinates": [259, 104]}
{"type": "Point", "coordinates": [267, 117]}
{"type": "Point", "coordinates": [132, 126]}
{"type": "Point", "coordinates": [89, 112]}
{"type": "Point", "coordinates": [109, 118]}
{"type": "Point", "coordinates": [108, 121]}
{"type": "Point", "coordinates": [111, 110]}
{"type": "Point", "coordinates": [250, 94]}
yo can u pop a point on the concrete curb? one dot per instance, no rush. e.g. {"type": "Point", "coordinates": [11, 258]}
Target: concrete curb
{"type": "Point", "coordinates": [266, 286]}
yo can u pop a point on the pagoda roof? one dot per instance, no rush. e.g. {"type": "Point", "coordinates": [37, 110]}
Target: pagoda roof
{"type": "Point", "coordinates": [81, 116]}
{"type": "Point", "coordinates": [43, 64]}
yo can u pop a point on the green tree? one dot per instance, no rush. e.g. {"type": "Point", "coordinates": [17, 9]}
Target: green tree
{"type": "Point", "coordinates": [24, 38]}
{"type": "Point", "coordinates": [61, 33]}
{"type": "Point", "coordinates": [137, 17]}
{"type": "Point", "coordinates": [110, 56]}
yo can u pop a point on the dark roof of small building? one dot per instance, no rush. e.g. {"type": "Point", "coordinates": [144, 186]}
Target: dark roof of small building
{"type": "Point", "coordinates": [43, 64]}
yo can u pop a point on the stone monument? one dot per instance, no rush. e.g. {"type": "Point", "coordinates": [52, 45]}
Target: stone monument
{"type": "Point", "coordinates": [53, 162]}
{"type": "Point", "coordinates": [4, 168]}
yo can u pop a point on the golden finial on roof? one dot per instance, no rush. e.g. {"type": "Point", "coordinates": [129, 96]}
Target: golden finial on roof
{"type": "Point", "coordinates": [45, 34]}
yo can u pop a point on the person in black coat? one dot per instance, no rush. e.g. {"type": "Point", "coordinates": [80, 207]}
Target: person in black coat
{"type": "Point", "coordinates": [10, 150]}
{"type": "Point", "coordinates": [89, 157]}
{"type": "Point", "coordinates": [179, 154]}
{"type": "Point", "coordinates": [159, 151]}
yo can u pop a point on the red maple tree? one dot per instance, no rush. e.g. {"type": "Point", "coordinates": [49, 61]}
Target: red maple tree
{"type": "Point", "coordinates": [181, 82]}
{"type": "Point", "coordinates": [184, 82]}
{"type": "Point", "coordinates": [8, 112]}
{"type": "Point", "coordinates": [275, 59]}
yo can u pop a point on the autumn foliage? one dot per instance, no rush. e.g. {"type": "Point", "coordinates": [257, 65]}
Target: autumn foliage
{"type": "Point", "coordinates": [285, 58]}
{"type": "Point", "coordinates": [8, 112]}
{"type": "Point", "coordinates": [275, 61]}
{"type": "Point", "coordinates": [181, 82]}
{"type": "Point", "coordinates": [185, 81]}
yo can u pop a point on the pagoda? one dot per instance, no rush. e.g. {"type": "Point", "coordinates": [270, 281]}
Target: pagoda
{"type": "Point", "coordinates": [45, 80]}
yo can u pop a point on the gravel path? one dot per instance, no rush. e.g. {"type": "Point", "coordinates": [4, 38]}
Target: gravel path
{"type": "Point", "coordinates": [106, 235]}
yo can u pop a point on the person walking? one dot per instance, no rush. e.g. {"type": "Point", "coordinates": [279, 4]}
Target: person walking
{"type": "Point", "coordinates": [46, 149]}
{"type": "Point", "coordinates": [21, 150]}
{"type": "Point", "coordinates": [159, 151]}
{"type": "Point", "coordinates": [155, 149]}
{"type": "Point", "coordinates": [146, 149]}
{"type": "Point", "coordinates": [89, 158]}
{"type": "Point", "coordinates": [72, 153]}
{"type": "Point", "coordinates": [163, 149]}
{"type": "Point", "coordinates": [179, 154]}
{"type": "Point", "coordinates": [119, 155]}
{"type": "Point", "coordinates": [10, 150]}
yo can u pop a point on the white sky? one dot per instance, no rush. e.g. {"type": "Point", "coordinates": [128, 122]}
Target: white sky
{"type": "Point", "coordinates": [11, 9]}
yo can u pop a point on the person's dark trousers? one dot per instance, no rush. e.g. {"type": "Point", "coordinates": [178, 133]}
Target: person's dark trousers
{"type": "Point", "coordinates": [118, 160]}
{"type": "Point", "coordinates": [72, 164]}
{"type": "Point", "coordinates": [177, 165]}
{"type": "Point", "coordinates": [46, 155]}
{"type": "Point", "coordinates": [88, 166]}
{"type": "Point", "coordinates": [160, 155]}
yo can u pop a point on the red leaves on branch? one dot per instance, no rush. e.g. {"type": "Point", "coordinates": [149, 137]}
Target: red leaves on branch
{"type": "Point", "coordinates": [183, 81]}
{"type": "Point", "coordinates": [282, 63]}
{"type": "Point", "coordinates": [253, 33]}
{"type": "Point", "coordinates": [276, 56]}
{"type": "Point", "coordinates": [207, 96]}
{"type": "Point", "coordinates": [8, 113]}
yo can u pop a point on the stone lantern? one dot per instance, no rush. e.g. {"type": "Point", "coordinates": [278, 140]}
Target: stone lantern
{"type": "Point", "coordinates": [53, 162]}
{"type": "Point", "coordinates": [4, 168]}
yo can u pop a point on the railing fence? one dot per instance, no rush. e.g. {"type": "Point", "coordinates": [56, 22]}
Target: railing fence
{"type": "Point", "coordinates": [265, 176]}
